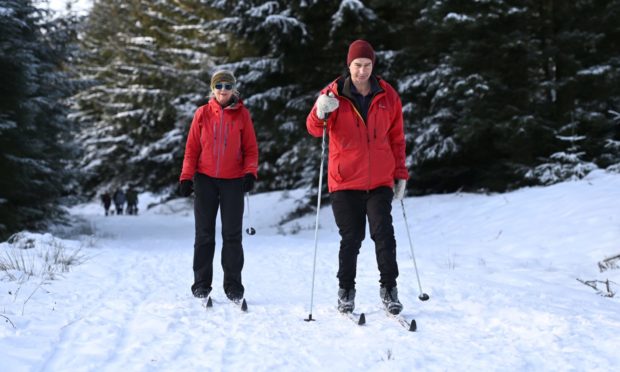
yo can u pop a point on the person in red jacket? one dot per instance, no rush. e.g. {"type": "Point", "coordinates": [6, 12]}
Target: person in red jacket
{"type": "Point", "coordinates": [362, 114]}
{"type": "Point", "coordinates": [220, 165]}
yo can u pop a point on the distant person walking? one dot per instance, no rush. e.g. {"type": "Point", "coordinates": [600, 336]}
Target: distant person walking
{"type": "Point", "coordinates": [363, 116]}
{"type": "Point", "coordinates": [132, 201]}
{"type": "Point", "coordinates": [220, 164]}
{"type": "Point", "coordinates": [119, 201]}
{"type": "Point", "coordinates": [106, 200]}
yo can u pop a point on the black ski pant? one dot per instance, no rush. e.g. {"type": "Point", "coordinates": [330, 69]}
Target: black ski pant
{"type": "Point", "coordinates": [211, 194]}
{"type": "Point", "coordinates": [351, 207]}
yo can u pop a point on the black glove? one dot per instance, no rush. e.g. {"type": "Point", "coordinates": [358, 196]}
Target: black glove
{"type": "Point", "coordinates": [185, 188]}
{"type": "Point", "coordinates": [248, 182]}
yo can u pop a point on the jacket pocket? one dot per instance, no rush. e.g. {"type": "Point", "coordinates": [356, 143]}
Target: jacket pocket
{"type": "Point", "coordinates": [334, 168]}
{"type": "Point", "coordinates": [381, 125]}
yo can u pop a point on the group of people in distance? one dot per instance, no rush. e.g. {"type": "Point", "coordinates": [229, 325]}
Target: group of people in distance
{"type": "Point", "coordinates": [120, 198]}
{"type": "Point", "coordinates": [362, 115]}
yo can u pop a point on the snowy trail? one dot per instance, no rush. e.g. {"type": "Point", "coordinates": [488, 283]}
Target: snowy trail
{"type": "Point", "coordinates": [500, 271]}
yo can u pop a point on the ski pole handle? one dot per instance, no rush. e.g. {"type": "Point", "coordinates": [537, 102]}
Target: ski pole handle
{"type": "Point", "coordinates": [329, 94]}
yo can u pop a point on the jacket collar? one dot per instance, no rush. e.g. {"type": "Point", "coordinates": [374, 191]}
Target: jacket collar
{"type": "Point", "coordinates": [342, 86]}
{"type": "Point", "coordinates": [236, 104]}
{"type": "Point", "coordinates": [348, 89]}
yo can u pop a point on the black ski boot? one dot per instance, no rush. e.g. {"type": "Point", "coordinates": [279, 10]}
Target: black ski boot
{"type": "Point", "coordinates": [390, 300]}
{"type": "Point", "coordinates": [346, 300]}
{"type": "Point", "coordinates": [201, 292]}
{"type": "Point", "coordinates": [235, 296]}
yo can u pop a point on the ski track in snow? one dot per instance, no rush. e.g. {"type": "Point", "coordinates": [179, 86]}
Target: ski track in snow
{"type": "Point", "coordinates": [500, 271]}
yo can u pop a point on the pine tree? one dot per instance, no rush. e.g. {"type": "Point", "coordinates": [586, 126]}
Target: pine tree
{"type": "Point", "coordinates": [488, 87]}
{"type": "Point", "coordinates": [148, 63]}
{"type": "Point", "coordinates": [34, 141]}
{"type": "Point", "coordinates": [267, 43]}
{"type": "Point", "coordinates": [470, 91]}
{"type": "Point", "coordinates": [581, 70]}
{"type": "Point", "coordinates": [494, 84]}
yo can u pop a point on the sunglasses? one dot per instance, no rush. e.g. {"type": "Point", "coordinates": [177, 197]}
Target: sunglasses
{"type": "Point", "coordinates": [225, 86]}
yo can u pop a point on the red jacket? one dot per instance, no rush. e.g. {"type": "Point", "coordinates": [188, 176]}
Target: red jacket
{"type": "Point", "coordinates": [221, 142]}
{"type": "Point", "coordinates": [363, 155]}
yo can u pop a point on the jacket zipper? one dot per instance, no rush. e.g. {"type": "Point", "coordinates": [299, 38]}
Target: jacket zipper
{"type": "Point", "coordinates": [217, 144]}
{"type": "Point", "coordinates": [372, 102]}
{"type": "Point", "coordinates": [226, 136]}
{"type": "Point", "coordinates": [214, 150]}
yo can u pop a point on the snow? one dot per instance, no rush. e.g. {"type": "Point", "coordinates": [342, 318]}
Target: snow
{"type": "Point", "coordinates": [348, 7]}
{"type": "Point", "coordinates": [458, 17]}
{"type": "Point", "coordinates": [264, 10]}
{"type": "Point", "coordinates": [500, 269]}
{"type": "Point", "coordinates": [6, 12]}
{"type": "Point", "coordinates": [142, 40]}
{"type": "Point", "coordinates": [81, 7]}
{"type": "Point", "coordinates": [595, 70]}
{"type": "Point", "coordinates": [286, 25]}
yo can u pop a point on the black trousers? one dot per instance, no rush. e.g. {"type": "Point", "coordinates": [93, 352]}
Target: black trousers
{"type": "Point", "coordinates": [211, 194]}
{"type": "Point", "coordinates": [351, 207]}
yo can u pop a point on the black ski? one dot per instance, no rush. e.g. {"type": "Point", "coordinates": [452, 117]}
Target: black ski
{"type": "Point", "coordinates": [242, 303]}
{"type": "Point", "coordinates": [411, 326]}
{"type": "Point", "coordinates": [207, 303]}
{"type": "Point", "coordinates": [357, 319]}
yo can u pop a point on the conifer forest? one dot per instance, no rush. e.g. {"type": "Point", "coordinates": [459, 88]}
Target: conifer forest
{"type": "Point", "coordinates": [496, 94]}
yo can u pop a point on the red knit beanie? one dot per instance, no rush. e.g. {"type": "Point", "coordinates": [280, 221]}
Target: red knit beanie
{"type": "Point", "coordinates": [360, 49]}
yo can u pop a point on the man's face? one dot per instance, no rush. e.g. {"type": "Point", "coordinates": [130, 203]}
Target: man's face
{"type": "Point", "coordinates": [360, 69]}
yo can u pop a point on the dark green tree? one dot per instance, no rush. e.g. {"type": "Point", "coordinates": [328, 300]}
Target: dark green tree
{"type": "Point", "coordinates": [493, 86]}
{"type": "Point", "coordinates": [147, 63]}
{"type": "Point", "coordinates": [34, 132]}
{"type": "Point", "coordinates": [491, 89]}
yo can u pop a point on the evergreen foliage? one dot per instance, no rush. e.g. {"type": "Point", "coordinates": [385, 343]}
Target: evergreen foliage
{"type": "Point", "coordinates": [35, 146]}
{"type": "Point", "coordinates": [496, 94]}
{"type": "Point", "coordinates": [493, 85]}
{"type": "Point", "coordinates": [147, 64]}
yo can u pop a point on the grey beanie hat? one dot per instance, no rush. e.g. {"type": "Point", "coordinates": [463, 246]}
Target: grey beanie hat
{"type": "Point", "coordinates": [225, 76]}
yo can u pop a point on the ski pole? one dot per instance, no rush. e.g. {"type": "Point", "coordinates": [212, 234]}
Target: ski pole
{"type": "Point", "coordinates": [250, 230]}
{"type": "Point", "coordinates": [423, 296]}
{"type": "Point", "coordinates": [318, 210]}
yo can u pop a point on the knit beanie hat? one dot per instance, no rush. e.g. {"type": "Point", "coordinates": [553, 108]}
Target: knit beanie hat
{"type": "Point", "coordinates": [222, 76]}
{"type": "Point", "coordinates": [360, 49]}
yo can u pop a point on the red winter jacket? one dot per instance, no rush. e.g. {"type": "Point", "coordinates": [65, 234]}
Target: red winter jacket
{"type": "Point", "coordinates": [221, 142]}
{"type": "Point", "coordinates": [363, 155]}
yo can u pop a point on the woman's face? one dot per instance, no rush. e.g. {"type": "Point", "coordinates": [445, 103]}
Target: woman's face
{"type": "Point", "coordinates": [223, 92]}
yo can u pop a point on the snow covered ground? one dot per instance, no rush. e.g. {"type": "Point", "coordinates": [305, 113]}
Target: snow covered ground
{"type": "Point", "coordinates": [501, 271]}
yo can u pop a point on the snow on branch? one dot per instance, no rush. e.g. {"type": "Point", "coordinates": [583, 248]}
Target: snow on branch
{"type": "Point", "coordinates": [270, 7]}
{"type": "Point", "coordinates": [7, 124]}
{"type": "Point", "coordinates": [347, 7]}
{"type": "Point", "coordinates": [285, 24]}
{"type": "Point", "coordinates": [458, 17]}
{"type": "Point", "coordinates": [594, 70]}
